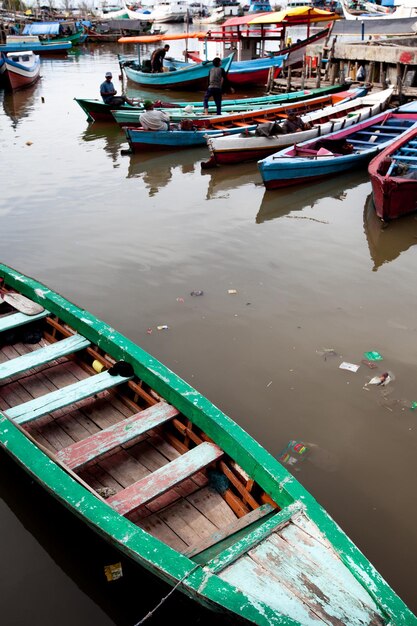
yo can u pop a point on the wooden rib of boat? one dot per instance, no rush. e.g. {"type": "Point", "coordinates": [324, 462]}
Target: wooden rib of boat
{"type": "Point", "coordinates": [226, 149]}
{"type": "Point", "coordinates": [96, 110]}
{"type": "Point", "coordinates": [21, 69]}
{"type": "Point", "coordinates": [189, 76]}
{"type": "Point", "coordinates": [393, 175]}
{"type": "Point", "coordinates": [167, 478]}
{"type": "Point", "coordinates": [336, 152]}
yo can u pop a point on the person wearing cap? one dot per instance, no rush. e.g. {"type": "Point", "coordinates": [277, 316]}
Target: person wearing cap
{"type": "Point", "coordinates": [153, 119]}
{"type": "Point", "coordinates": [294, 123]}
{"type": "Point", "coordinates": [157, 59]}
{"type": "Point", "coordinates": [108, 93]}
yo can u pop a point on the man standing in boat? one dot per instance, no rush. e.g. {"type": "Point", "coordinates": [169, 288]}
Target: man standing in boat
{"type": "Point", "coordinates": [157, 59]}
{"type": "Point", "coordinates": [108, 93]}
{"type": "Point", "coordinates": [217, 83]}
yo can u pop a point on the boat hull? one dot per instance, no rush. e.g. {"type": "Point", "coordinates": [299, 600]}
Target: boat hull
{"type": "Point", "coordinates": [188, 77]}
{"type": "Point", "coordinates": [275, 559]}
{"type": "Point", "coordinates": [305, 162]}
{"type": "Point", "coordinates": [19, 76]}
{"type": "Point", "coordinates": [395, 193]}
{"type": "Point", "coordinates": [140, 139]}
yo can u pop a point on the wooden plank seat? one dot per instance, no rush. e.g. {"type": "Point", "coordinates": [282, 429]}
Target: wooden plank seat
{"type": "Point", "coordinates": [224, 533]}
{"type": "Point", "coordinates": [43, 355]}
{"type": "Point", "coordinates": [82, 452]}
{"type": "Point", "coordinates": [406, 157]}
{"type": "Point", "coordinates": [7, 322]}
{"type": "Point", "coordinates": [49, 402]}
{"type": "Point", "coordinates": [220, 127]}
{"type": "Point", "coordinates": [165, 478]}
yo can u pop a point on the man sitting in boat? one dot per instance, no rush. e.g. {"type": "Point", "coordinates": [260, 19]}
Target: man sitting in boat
{"type": "Point", "coordinates": [157, 59]}
{"type": "Point", "coordinates": [294, 123]}
{"type": "Point", "coordinates": [108, 93]}
{"type": "Point", "coordinates": [153, 119]}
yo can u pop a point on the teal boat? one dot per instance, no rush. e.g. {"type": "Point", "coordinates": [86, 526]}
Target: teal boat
{"type": "Point", "coordinates": [167, 478]}
{"type": "Point", "coordinates": [97, 111]}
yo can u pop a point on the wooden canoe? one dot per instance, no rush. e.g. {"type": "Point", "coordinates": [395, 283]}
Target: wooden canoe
{"type": "Point", "coordinates": [193, 76]}
{"type": "Point", "coordinates": [96, 110]}
{"type": "Point", "coordinates": [171, 481]}
{"type": "Point", "coordinates": [228, 149]}
{"type": "Point", "coordinates": [337, 152]}
{"type": "Point", "coordinates": [393, 175]}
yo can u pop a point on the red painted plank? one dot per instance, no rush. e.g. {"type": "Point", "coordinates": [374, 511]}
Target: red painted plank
{"type": "Point", "coordinates": [165, 478]}
{"type": "Point", "coordinates": [88, 449]}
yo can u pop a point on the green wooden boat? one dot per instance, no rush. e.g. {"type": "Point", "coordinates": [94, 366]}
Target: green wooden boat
{"type": "Point", "coordinates": [167, 478]}
{"type": "Point", "coordinates": [97, 111]}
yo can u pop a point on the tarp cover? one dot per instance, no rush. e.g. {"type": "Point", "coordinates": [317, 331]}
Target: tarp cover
{"type": "Point", "coordinates": [42, 28]}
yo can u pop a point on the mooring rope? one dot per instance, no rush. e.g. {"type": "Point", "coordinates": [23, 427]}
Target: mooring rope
{"type": "Point", "coordinates": [165, 598]}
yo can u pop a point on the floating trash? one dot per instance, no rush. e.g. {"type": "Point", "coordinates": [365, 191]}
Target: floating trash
{"type": "Point", "coordinates": [369, 364]}
{"type": "Point", "coordinates": [163, 327]}
{"type": "Point", "coordinates": [373, 356]}
{"type": "Point", "coordinates": [413, 406]}
{"type": "Point", "coordinates": [294, 452]}
{"type": "Point", "coordinates": [383, 380]}
{"type": "Point", "coordinates": [180, 299]}
{"type": "Point", "coordinates": [352, 367]}
{"type": "Point", "coordinates": [232, 291]}
{"type": "Point", "coordinates": [197, 292]}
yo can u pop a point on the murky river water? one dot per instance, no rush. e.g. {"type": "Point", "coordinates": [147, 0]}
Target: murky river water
{"type": "Point", "coordinates": [129, 238]}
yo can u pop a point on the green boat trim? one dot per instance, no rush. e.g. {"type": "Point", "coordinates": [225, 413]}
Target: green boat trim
{"type": "Point", "coordinates": [199, 582]}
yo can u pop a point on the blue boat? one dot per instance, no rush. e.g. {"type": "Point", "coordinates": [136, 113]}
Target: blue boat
{"type": "Point", "coordinates": [188, 76]}
{"type": "Point", "coordinates": [27, 43]}
{"type": "Point", "coordinates": [336, 152]}
{"type": "Point", "coordinates": [140, 139]}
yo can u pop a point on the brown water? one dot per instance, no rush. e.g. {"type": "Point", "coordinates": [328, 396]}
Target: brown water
{"type": "Point", "coordinates": [128, 237]}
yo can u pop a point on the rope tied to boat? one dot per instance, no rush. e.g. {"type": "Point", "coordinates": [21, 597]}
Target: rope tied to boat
{"type": "Point", "coordinates": [165, 598]}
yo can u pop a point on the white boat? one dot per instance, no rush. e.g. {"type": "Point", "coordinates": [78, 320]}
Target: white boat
{"type": "Point", "coordinates": [227, 149]}
{"type": "Point", "coordinates": [358, 10]}
{"type": "Point", "coordinates": [21, 69]}
{"type": "Point", "coordinates": [168, 11]}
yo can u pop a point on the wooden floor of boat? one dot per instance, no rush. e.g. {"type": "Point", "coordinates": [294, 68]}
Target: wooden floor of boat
{"type": "Point", "coordinates": [183, 517]}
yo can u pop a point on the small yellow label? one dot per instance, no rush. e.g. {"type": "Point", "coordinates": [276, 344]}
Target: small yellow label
{"type": "Point", "coordinates": [113, 572]}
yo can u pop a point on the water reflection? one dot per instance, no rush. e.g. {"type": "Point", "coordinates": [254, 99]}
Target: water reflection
{"type": "Point", "coordinates": [282, 202]}
{"type": "Point", "coordinates": [156, 169]}
{"type": "Point", "coordinates": [19, 104]}
{"type": "Point", "coordinates": [386, 241]}
{"type": "Point", "coordinates": [111, 135]}
{"type": "Point", "coordinates": [222, 180]}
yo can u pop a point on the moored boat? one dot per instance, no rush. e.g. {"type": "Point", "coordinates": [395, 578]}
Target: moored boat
{"type": "Point", "coordinates": [140, 139]}
{"type": "Point", "coordinates": [336, 152]}
{"type": "Point", "coordinates": [97, 110]}
{"type": "Point", "coordinates": [393, 175]}
{"type": "Point", "coordinates": [188, 76]}
{"type": "Point", "coordinates": [21, 69]}
{"type": "Point", "coordinates": [167, 478]}
{"type": "Point", "coordinates": [58, 32]}
{"type": "Point", "coordinates": [24, 43]}
{"type": "Point", "coordinates": [226, 149]}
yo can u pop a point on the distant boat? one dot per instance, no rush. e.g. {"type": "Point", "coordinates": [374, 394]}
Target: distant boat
{"type": "Point", "coordinates": [393, 175]}
{"type": "Point", "coordinates": [24, 43]}
{"type": "Point", "coordinates": [57, 31]}
{"type": "Point", "coordinates": [359, 10]}
{"type": "Point", "coordinates": [338, 152]}
{"type": "Point", "coordinates": [21, 69]}
{"type": "Point", "coordinates": [168, 11]}
{"type": "Point", "coordinates": [167, 479]}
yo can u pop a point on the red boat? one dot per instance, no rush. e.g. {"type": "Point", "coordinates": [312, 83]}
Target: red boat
{"type": "Point", "coordinates": [394, 178]}
{"type": "Point", "coordinates": [21, 69]}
